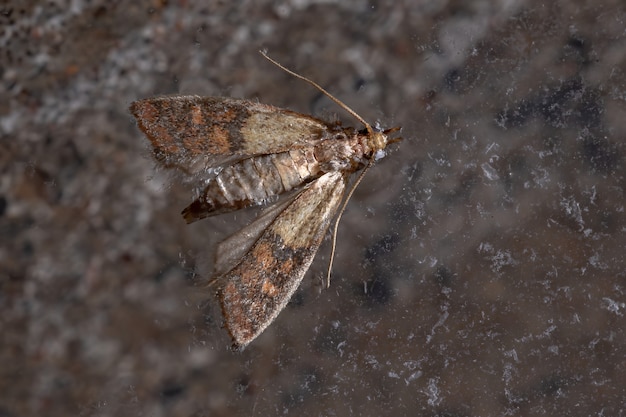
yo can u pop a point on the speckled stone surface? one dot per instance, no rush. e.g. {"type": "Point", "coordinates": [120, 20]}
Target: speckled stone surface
{"type": "Point", "coordinates": [480, 265]}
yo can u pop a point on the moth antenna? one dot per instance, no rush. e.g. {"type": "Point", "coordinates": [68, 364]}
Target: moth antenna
{"type": "Point", "coordinates": [319, 87]}
{"type": "Point", "coordinates": [343, 208]}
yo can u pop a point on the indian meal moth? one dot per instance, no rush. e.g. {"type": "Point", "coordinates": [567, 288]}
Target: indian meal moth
{"type": "Point", "coordinates": [245, 153]}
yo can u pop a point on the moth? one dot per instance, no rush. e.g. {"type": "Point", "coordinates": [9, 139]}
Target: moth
{"type": "Point", "coordinates": [245, 153]}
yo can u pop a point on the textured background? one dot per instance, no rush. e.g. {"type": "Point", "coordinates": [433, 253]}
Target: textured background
{"type": "Point", "coordinates": [480, 266]}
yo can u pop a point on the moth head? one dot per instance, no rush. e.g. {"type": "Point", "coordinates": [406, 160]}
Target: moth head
{"type": "Point", "coordinates": [379, 139]}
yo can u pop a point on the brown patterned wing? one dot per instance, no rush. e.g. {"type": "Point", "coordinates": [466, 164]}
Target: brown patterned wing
{"type": "Point", "coordinates": [195, 133]}
{"type": "Point", "coordinates": [259, 286]}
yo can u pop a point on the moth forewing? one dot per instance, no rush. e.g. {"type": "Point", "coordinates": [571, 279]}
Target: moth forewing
{"type": "Point", "coordinates": [186, 127]}
{"type": "Point", "coordinates": [260, 285]}
{"type": "Point", "coordinates": [233, 248]}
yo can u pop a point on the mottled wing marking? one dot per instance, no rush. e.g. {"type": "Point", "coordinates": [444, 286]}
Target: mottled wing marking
{"type": "Point", "coordinates": [260, 285]}
{"type": "Point", "coordinates": [204, 132]}
{"type": "Point", "coordinates": [230, 251]}
{"type": "Point", "coordinates": [278, 130]}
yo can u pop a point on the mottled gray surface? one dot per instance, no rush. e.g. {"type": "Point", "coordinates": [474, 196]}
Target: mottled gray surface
{"type": "Point", "coordinates": [480, 266]}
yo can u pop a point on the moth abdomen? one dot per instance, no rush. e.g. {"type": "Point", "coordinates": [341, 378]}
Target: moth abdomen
{"type": "Point", "coordinates": [253, 181]}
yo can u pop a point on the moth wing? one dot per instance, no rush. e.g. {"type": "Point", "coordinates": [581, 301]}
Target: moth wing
{"type": "Point", "coordinates": [257, 288]}
{"type": "Point", "coordinates": [233, 248]}
{"type": "Point", "coordinates": [196, 133]}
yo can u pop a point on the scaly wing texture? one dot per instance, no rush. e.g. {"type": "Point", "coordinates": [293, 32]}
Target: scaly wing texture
{"type": "Point", "coordinates": [195, 133]}
{"type": "Point", "coordinates": [233, 248]}
{"type": "Point", "coordinates": [260, 285]}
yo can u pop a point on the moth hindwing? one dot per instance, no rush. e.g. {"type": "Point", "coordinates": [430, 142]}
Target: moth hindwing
{"type": "Point", "coordinates": [245, 153]}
